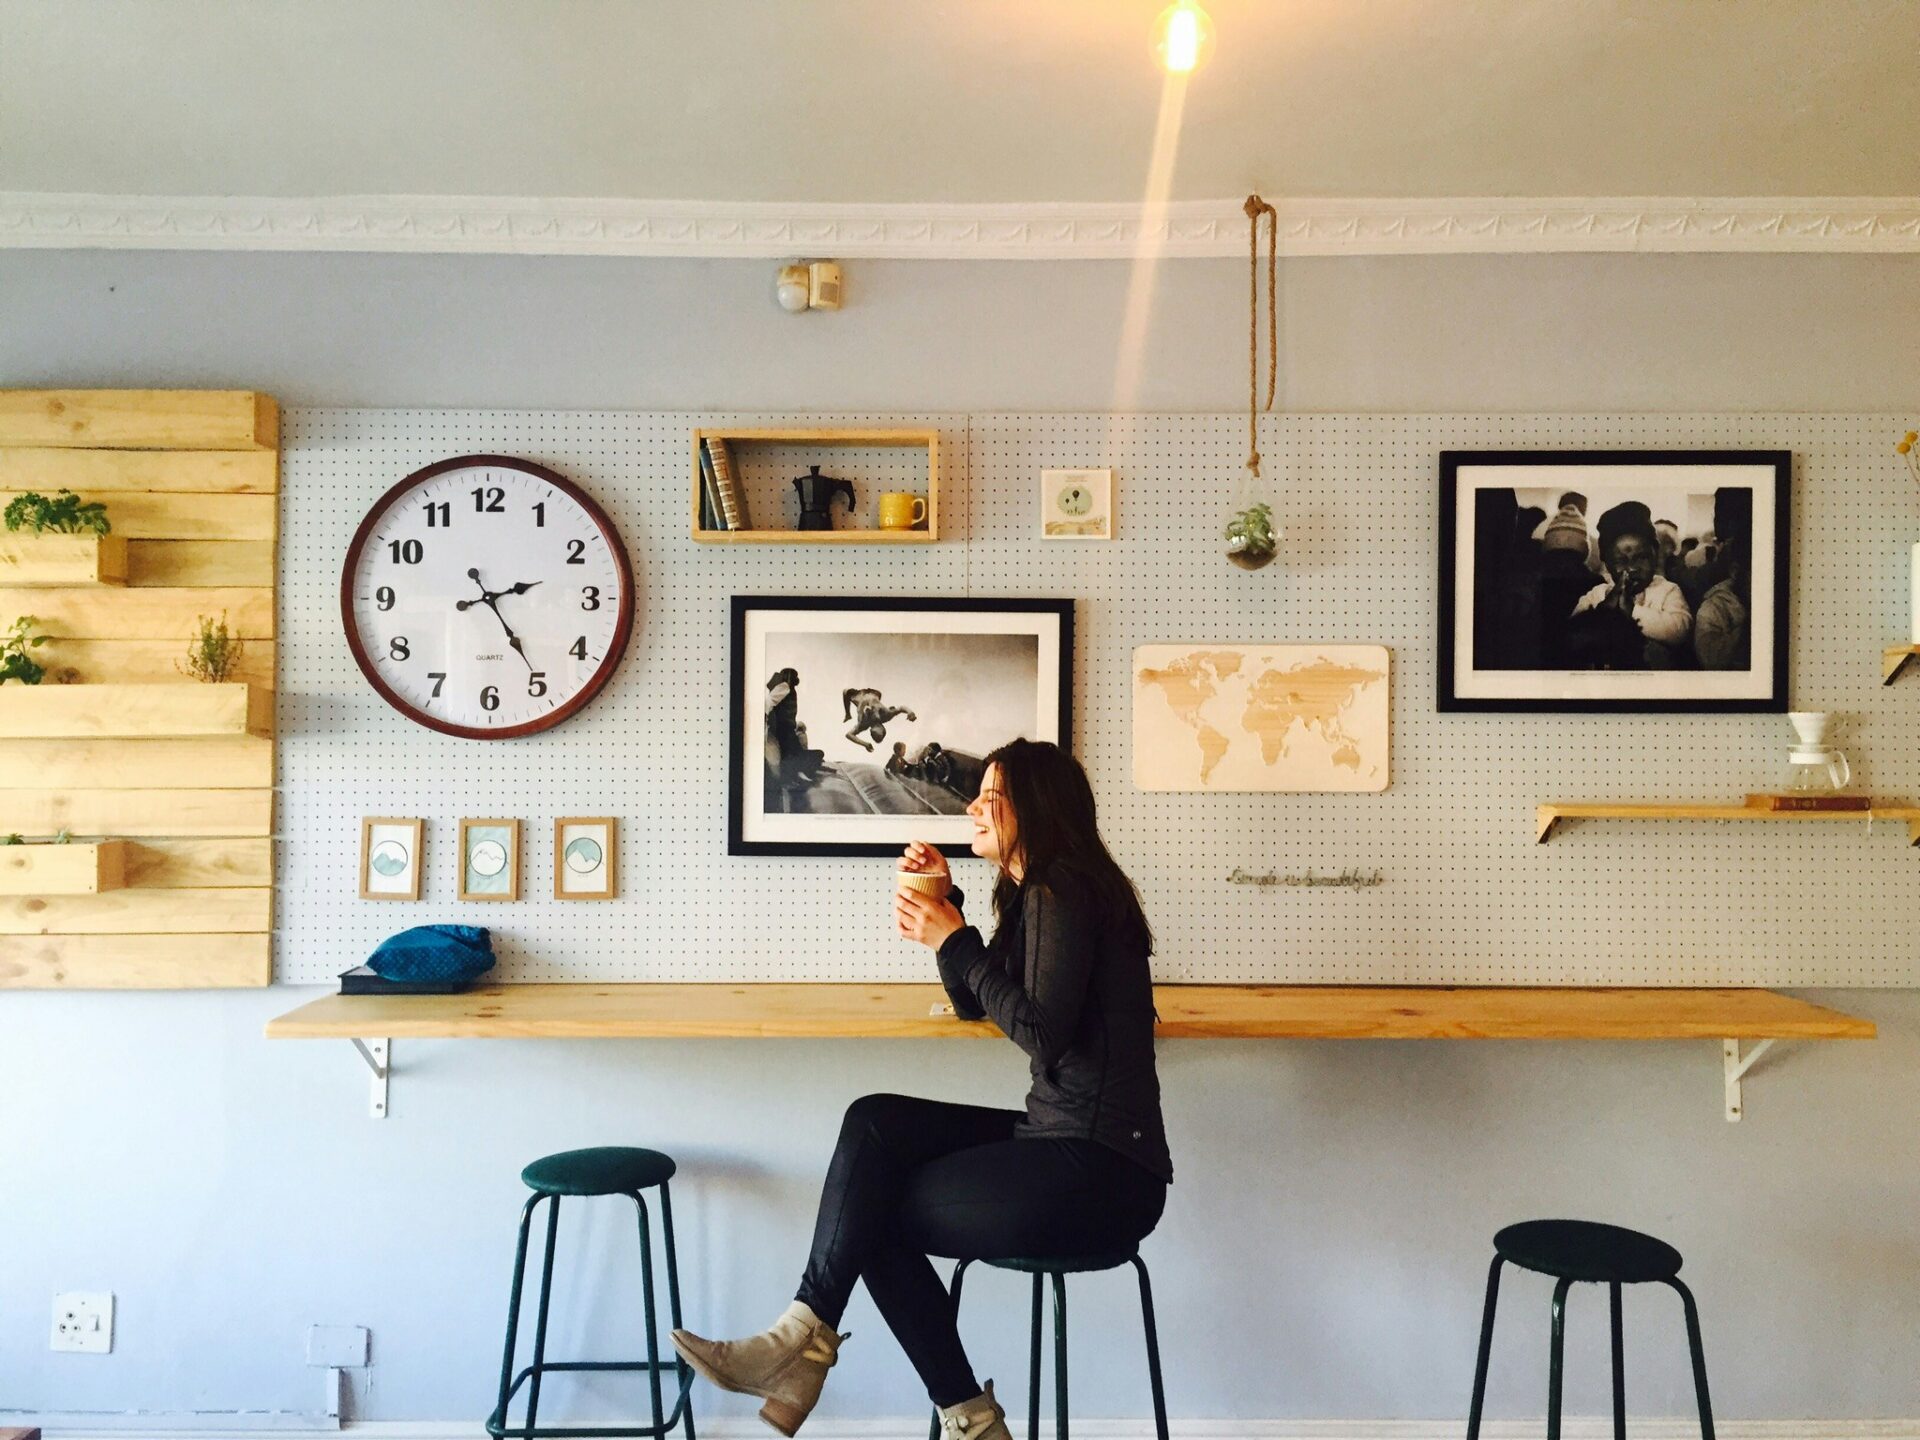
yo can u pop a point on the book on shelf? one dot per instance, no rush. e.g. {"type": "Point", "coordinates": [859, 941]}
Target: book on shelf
{"type": "Point", "coordinates": [711, 517]}
{"type": "Point", "coordinates": [733, 501]}
{"type": "Point", "coordinates": [1843, 804]}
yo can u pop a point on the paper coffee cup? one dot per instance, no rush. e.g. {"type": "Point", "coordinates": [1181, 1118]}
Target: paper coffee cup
{"type": "Point", "coordinates": [926, 882]}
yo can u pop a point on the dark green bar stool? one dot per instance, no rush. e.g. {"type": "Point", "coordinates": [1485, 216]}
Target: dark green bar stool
{"type": "Point", "coordinates": [1057, 1268]}
{"type": "Point", "coordinates": [604, 1170]}
{"type": "Point", "coordinates": [1584, 1250]}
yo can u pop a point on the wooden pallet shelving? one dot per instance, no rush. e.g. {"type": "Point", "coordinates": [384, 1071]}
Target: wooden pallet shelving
{"type": "Point", "coordinates": [32, 562]}
{"type": "Point", "coordinates": [51, 869]}
{"type": "Point", "coordinates": [178, 774]}
{"type": "Point", "coordinates": [928, 440]}
{"type": "Point", "coordinates": [134, 712]}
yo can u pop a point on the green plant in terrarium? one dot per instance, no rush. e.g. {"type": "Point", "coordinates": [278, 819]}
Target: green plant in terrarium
{"type": "Point", "coordinates": [15, 662]}
{"type": "Point", "coordinates": [1250, 539]}
{"type": "Point", "coordinates": [65, 514]}
{"type": "Point", "coordinates": [214, 652]}
{"type": "Point", "coordinates": [14, 839]}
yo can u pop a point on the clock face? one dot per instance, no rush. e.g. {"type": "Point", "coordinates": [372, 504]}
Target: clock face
{"type": "Point", "coordinates": [487, 597]}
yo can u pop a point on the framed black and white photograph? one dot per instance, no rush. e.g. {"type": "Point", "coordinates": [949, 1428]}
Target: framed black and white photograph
{"type": "Point", "coordinates": [1614, 580]}
{"type": "Point", "coordinates": [862, 723]}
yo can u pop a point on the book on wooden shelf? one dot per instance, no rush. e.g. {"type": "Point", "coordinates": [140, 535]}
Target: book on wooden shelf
{"type": "Point", "coordinates": [733, 501]}
{"type": "Point", "coordinates": [711, 517]}
{"type": "Point", "coordinates": [1846, 804]}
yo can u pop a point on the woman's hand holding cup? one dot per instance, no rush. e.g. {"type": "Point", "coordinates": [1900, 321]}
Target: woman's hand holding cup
{"type": "Point", "coordinates": [923, 870]}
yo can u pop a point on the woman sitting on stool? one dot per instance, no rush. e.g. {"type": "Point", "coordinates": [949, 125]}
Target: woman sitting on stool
{"type": "Point", "coordinates": [1085, 1169]}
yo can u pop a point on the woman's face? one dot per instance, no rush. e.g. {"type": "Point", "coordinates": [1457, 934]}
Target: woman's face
{"type": "Point", "coordinates": [1631, 558]}
{"type": "Point", "coordinates": [995, 832]}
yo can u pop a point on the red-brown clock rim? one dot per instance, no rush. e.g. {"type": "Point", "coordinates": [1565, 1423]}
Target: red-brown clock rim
{"type": "Point", "coordinates": [623, 619]}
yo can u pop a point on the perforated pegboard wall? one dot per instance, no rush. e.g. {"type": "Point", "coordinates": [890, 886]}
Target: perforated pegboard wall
{"type": "Point", "coordinates": [1467, 896]}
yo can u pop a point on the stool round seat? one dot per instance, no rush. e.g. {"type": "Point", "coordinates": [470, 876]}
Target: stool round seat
{"type": "Point", "coordinates": [1065, 1264]}
{"type": "Point", "coordinates": [601, 1170]}
{"type": "Point", "coordinates": [1588, 1250]}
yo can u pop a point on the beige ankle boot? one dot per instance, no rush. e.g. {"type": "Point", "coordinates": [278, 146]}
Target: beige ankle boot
{"type": "Point", "coordinates": [785, 1366]}
{"type": "Point", "coordinates": [980, 1418]}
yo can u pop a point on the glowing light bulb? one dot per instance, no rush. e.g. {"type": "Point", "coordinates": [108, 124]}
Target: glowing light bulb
{"type": "Point", "coordinates": [1183, 37]}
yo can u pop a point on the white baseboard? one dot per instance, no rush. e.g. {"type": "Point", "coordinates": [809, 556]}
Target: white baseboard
{"type": "Point", "coordinates": [279, 1426]}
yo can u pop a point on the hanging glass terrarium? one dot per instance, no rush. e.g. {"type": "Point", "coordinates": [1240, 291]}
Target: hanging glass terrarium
{"type": "Point", "coordinates": [1252, 538]}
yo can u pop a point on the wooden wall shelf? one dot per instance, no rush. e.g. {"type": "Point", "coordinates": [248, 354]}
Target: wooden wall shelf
{"type": "Point", "coordinates": [928, 440]}
{"type": "Point", "coordinates": [1206, 1012]}
{"type": "Point", "coordinates": [39, 561]}
{"type": "Point", "coordinates": [1548, 816]}
{"type": "Point", "coordinates": [1894, 659]}
{"type": "Point", "coordinates": [134, 712]}
{"type": "Point", "coordinates": [77, 869]}
{"type": "Point", "coordinates": [175, 777]}
{"type": "Point", "coordinates": [1302, 1012]}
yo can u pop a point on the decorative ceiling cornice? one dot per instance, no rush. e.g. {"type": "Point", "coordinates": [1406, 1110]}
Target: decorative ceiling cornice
{"type": "Point", "coordinates": [1185, 229]}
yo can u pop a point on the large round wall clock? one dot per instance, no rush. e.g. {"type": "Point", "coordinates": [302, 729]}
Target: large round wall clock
{"type": "Point", "coordinates": [487, 597]}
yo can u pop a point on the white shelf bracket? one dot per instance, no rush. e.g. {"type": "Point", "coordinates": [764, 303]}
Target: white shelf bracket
{"type": "Point", "coordinates": [378, 1055]}
{"type": "Point", "coordinates": [1733, 1069]}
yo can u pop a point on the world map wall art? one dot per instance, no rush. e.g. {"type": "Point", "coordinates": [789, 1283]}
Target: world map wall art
{"type": "Point", "coordinates": [1261, 717]}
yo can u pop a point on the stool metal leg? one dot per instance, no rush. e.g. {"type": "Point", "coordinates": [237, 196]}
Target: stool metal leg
{"type": "Point", "coordinates": [513, 1311]}
{"type": "Point", "coordinates": [1619, 1366]}
{"type": "Point", "coordinates": [953, 1289]}
{"type": "Point", "coordinates": [1033, 1356]}
{"type": "Point", "coordinates": [682, 1370]}
{"type": "Point", "coordinates": [1153, 1350]}
{"type": "Point", "coordinates": [1059, 1357]}
{"type": "Point", "coordinates": [646, 1305]}
{"type": "Point", "coordinates": [1486, 1349]}
{"type": "Point", "coordinates": [1557, 1361]}
{"type": "Point", "coordinates": [1699, 1357]}
{"type": "Point", "coordinates": [540, 1320]}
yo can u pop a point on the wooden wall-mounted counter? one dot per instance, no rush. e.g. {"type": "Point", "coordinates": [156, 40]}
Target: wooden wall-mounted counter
{"type": "Point", "coordinates": [1218, 1012]}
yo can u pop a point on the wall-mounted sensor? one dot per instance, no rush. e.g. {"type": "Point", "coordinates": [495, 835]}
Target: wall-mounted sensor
{"type": "Point", "coordinates": [791, 288]}
{"type": "Point", "coordinates": [823, 285]}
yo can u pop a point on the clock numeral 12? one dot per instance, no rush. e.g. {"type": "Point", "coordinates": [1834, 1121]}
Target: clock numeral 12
{"type": "Point", "coordinates": [489, 499]}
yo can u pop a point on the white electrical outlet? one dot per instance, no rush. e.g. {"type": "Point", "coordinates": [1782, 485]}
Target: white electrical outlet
{"type": "Point", "coordinates": [83, 1320]}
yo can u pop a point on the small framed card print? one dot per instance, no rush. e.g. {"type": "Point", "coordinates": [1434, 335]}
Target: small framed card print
{"type": "Point", "coordinates": [489, 859]}
{"type": "Point", "coordinates": [1076, 504]}
{"type": "Point", "coordinates": [583, 849]}
{"type": "Point", "coordinates": [390, 858]}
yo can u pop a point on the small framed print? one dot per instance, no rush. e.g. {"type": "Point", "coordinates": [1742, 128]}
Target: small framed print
{"type": "Point", "coordinates": [390, 858]}
{"type": "Point", "coordinates": [489, 859]}
{"type": "Point", "coordinates": [583, 857]}
{"type": "Point", "coordinates": [1076, 504]}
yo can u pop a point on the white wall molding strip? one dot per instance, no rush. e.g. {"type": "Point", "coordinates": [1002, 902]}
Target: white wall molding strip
{"type": "Point", "coordinates": [200, 1426]}
{"type": "Point", "coordinates": [1185, 229]}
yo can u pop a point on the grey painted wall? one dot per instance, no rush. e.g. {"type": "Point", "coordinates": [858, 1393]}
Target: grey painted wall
{"type": "Point", "coordinates": [1325, 1247]}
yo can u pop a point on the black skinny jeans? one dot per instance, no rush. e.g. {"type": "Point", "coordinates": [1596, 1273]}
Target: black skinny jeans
{"type": "Point", "coordinates": [912, 1178]}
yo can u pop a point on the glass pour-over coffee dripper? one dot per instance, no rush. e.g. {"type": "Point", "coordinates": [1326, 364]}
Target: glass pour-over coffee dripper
{"type": "Point", "coordinates": [1813, 766]}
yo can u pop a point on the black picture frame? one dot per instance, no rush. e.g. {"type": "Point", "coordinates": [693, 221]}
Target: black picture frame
{"type": "Point", "coordinates": [1630, 691]}
{"type": "Point", "coordinates": [1052, 620]}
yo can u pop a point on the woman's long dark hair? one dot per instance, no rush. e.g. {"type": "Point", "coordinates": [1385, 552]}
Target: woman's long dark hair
{"type": "Point", "coordinates": [1055, 834]}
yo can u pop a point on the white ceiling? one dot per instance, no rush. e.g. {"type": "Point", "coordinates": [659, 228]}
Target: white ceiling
{"type": "Point", "coordinates": [896, 101]}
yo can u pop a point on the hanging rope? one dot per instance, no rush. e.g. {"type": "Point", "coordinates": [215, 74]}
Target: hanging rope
{"type": "Point", "coordinates": [1256, 208]}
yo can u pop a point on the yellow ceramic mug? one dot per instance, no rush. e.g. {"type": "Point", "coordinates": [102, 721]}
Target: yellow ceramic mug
{"type": "Point", "coordinates": [899, 511]}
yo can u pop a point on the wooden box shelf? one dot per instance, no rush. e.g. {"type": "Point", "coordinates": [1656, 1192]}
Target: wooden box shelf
{"type": "Point", "coordinates": [129, 712]}
{"type": "Point", "coordinates": [63, 869]}
{"type": "Point", "coordinates": [1548, 816]}
{"type": "Point", "coordinates": [39, 561]}
{"type": "Point", "coordinates": [928, 440]}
